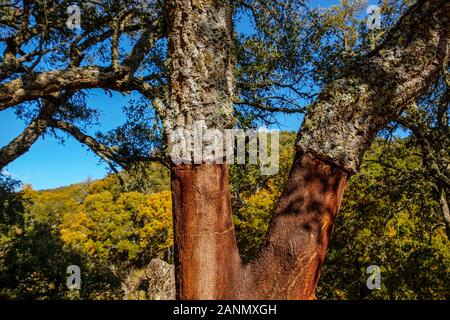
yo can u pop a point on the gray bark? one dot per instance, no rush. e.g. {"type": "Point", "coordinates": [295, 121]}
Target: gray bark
{"type": "Point", "coordinates": [22, 143]}
{"type": "Point", "coordinates": [349, 112]}
{"type": "Point", "coordinates": [201, 64]}
{"type": "Point", "coordinates": [339, 128]}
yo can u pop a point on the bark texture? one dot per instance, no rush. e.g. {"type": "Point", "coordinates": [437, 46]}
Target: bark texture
{"type": "Point", "coordinates": [36, 85]}
{"type": "Point", "coordinates": [346, 117]}
{"type": "Point", "coordinates": [206, 256]}
{"type": "Point", "coordinates": [332, 141]}
{"type": "Point", "coordinates": [290, 260]}
{"type": "Point", "coordinates": [201, 64]}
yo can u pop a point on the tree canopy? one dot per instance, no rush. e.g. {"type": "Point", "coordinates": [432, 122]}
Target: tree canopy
{"type": "Point", "coordinates": [292, 57]}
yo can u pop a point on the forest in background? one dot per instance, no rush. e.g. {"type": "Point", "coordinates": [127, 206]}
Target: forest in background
{"type": "Point", "coordinates": [113, 228]}
{"type": "Point", "coordinates": [348, 77]}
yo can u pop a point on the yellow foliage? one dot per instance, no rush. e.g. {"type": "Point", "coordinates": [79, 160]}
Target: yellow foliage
{"type": "Point", "coordinates": [133, 226]}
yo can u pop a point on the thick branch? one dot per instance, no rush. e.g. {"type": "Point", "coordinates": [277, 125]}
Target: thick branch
{"type": "Point", "coordinates": [36, 85]}
{"type": "Point", "coordinates": [143, 46]}
{"type": "Point", "coordinates": [350, 111]}
{"type": "Point", "coordinates": [25, 140]}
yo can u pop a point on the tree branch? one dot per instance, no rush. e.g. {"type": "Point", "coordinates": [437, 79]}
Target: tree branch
{"type": "Point", "coordinates": [377, 88]}
{"type": "Point", "coordinates": [36, 85]}
{"type": "Point", "coordinates": [143, 46]}
{"type": "Point", "coordinates": [25, 140]}
{"type": "Point", "coordinates": [108, 154]}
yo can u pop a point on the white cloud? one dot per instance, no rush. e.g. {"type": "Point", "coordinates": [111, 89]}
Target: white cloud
{"type": "Point", "coordinates": [6, 173]}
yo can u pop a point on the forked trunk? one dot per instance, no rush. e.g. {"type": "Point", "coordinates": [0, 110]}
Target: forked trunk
{"type": "Point", "coordinates": [288, 267]}
{"type": "Point", "coordinates": [337, 130]}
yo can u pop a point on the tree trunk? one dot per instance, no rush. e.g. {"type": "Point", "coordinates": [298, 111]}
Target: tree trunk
{"type": "Point", "coordinates": [206, 256]}
{"type": "Point", "coordinates": [207, 261]}
{"type": "Point", "coordinates": [201, 66]}
{"type": "Point", "coordinates": [290, 260]}
{"type": "Point", "coordinates": [334, 136]}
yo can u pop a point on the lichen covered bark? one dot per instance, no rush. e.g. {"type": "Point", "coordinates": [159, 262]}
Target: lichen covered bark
{"type": "Point", "coordinates": [349, 112]}
{"type": "Point", "coordinates": [201, 88]}
{"type": "Point", "coordinates": [23, 142]}
{"type": "Point", "coordinates": [201, 64]}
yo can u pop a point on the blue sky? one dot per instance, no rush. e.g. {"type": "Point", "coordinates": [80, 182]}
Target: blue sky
{"type": "Point", "coordinates": [49, 164]}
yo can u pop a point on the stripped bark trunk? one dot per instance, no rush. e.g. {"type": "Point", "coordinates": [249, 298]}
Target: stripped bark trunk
{"type": "Point", "coordinates": [201, 89]}
{"type": "Point", "coordinates": [207, 259]}
{"type": "Point", "coordinates": [290, 260]}
{"type": "Point", "coordinates": [332, 141]}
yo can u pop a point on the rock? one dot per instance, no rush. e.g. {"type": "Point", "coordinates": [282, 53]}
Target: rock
{"type": "Point", "coordinates": [155, 282]}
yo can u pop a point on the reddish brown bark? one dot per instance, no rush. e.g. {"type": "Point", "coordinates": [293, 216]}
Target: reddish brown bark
{"type": "Point", "coordinates": [339, 127]}
{"type": "Point", "coordinates": [288, 267]}
{"type": "Point", "coordinates": [206, 256]}
{"type": "Point", "coordinates": [289, 263]}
